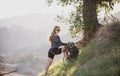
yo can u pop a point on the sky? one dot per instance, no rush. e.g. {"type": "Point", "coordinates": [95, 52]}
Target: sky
{"type": "Point", "coordinates": [10, 8]}
{"type": "Point", "coordinates": [115, 10]}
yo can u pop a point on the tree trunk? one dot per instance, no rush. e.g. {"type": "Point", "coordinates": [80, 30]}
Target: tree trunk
{"type": "Point", "coordinates": [89, 18]}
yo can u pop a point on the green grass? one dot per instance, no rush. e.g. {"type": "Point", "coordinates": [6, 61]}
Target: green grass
{"type": "Point", "coordinates": [100, 58]}
{"type": "Point", "coordinates": [62, 69]}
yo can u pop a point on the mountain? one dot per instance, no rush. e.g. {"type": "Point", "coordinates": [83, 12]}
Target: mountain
{"type": "Point", "coordinates": [15, 38]}
{"type": "Point", "coordinates": [23, 43]}
{"type": "Point", "coordinates": [35, 21]}
{"type": "Point", "coordinates": [23, 47]}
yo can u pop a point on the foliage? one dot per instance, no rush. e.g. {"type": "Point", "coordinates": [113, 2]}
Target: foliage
{"type": "Point", "coordinates": [75, 19]}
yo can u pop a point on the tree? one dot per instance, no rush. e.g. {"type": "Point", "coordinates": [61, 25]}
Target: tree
{"type": "Point", "coordinates": [90, 20]}
{"type": "Point", "coordinates": [85, 16]}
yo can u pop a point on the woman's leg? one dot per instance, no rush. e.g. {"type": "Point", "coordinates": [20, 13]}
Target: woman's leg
{"type": "Point", "coordinates": [65, 52]}
{"type": "Point", "coordinates": [48, 65]}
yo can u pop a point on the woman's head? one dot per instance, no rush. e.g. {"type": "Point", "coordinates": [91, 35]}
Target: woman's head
{"type": "Point", "coordinates": [56, 30]}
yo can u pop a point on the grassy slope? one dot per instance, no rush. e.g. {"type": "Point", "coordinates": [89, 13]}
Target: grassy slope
{"type": "Point", "coordinates": [101, 57]}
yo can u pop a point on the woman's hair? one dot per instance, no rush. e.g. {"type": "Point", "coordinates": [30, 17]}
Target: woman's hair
{"type": "Point", "coordinates": [53, 32]}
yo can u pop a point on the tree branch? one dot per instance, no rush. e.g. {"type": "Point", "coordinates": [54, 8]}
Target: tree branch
{"type": "Point", "coordinates": [2, 74]}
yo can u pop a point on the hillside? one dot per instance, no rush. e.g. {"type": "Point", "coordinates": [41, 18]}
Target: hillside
{"type": "Point", "coordinates": [101, 57]}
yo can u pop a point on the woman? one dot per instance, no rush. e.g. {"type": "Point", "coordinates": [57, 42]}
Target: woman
{"type": "Point", "coordinates": [57, 47]}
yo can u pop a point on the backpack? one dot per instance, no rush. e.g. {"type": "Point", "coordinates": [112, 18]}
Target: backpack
{"type": "Point", "coordinates": [72, 49]}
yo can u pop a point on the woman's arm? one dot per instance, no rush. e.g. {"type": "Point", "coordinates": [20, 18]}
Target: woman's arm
{"type": "Point", "coordinates": [57, 40]}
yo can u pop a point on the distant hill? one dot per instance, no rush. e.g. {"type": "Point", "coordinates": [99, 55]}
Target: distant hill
{"type": "Point", "coordinates": [15, 38]}
{"type": "Point", "coordinates": [22, 47]}
{"type": "Point", "coordinates": [36, 22]}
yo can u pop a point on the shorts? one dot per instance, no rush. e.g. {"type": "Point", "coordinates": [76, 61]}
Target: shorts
{"type": "Point", "coordinates": [53, 51]}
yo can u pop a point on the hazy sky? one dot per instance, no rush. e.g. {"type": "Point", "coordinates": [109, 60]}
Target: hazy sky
{"type": "Point", "coordinates": [10, 8]}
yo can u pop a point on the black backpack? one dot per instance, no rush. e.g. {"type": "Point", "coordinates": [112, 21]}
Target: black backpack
{"type": "Point", "coordinates": [73, 50]}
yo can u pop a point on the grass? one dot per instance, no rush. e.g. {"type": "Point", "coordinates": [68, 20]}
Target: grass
{"type": "Point", "coordinates": [61, 68]}
{"type": "Point", "coordinates": [101, 57]}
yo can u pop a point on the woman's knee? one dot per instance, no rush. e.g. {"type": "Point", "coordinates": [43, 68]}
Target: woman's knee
{"type": "Point", "coordinates": [62, 48]}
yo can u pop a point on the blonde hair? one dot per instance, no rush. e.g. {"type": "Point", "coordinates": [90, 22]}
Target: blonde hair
{"type": "Point", "coordinates": [53, 32]}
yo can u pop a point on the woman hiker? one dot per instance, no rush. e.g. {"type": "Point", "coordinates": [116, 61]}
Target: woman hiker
{"type": "Point", "coordinates": [57, 47]}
